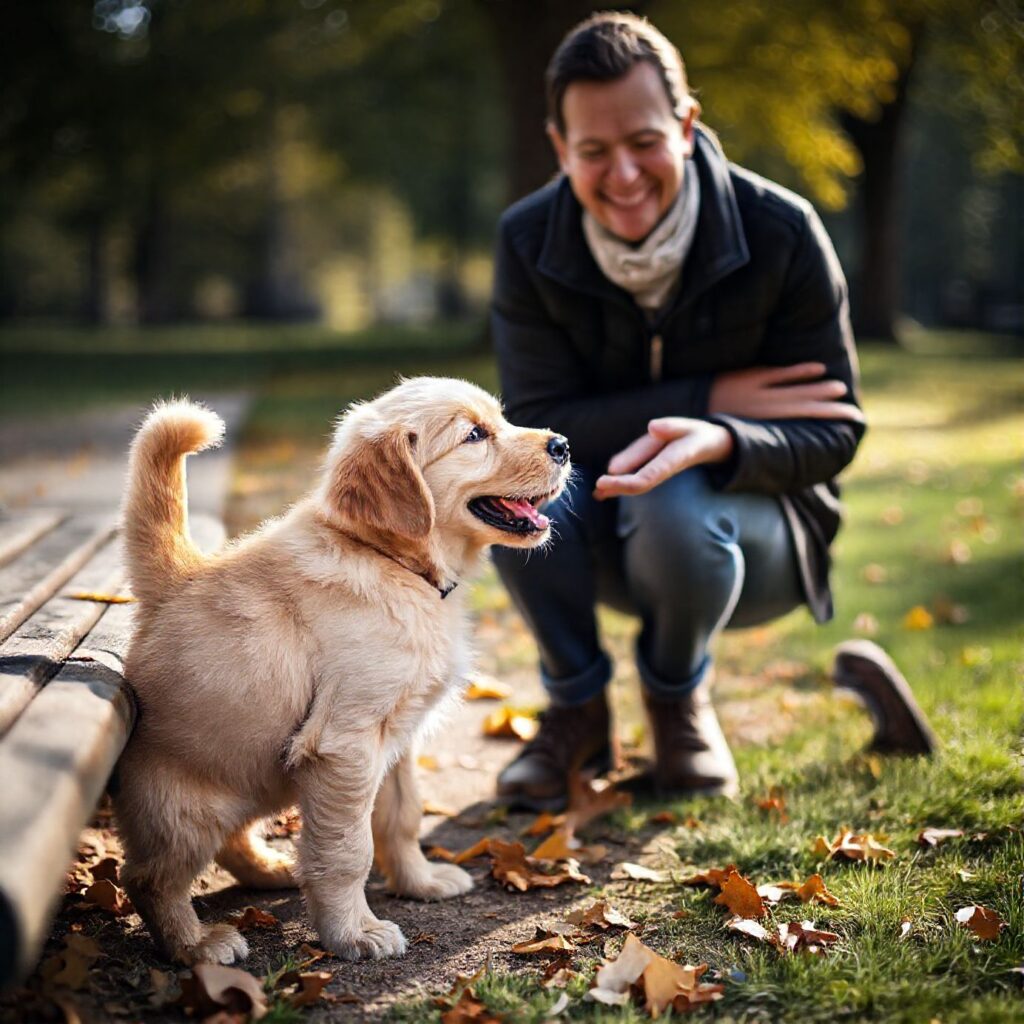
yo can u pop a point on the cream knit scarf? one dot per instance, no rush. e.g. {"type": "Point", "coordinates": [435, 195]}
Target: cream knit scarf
{"type": "Point", "coordinates": [650, 270]}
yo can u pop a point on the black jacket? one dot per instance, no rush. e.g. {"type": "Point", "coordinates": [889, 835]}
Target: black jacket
{"type": "Point", "coordinates": [761, 287]}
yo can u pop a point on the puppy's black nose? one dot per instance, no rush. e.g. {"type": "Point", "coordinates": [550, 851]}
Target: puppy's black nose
{"type": "Point", "coordinates": [558, 449]}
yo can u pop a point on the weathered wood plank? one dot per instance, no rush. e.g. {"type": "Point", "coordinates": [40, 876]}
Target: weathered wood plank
{"type": "Point", "coordinates": [34, 652]}
{"type": "Point", "coordinates": [54, 763]}
{"type": "Point", "coordinates": [22, 531]}
{"type": "Point", "coordinates": [35, 575]}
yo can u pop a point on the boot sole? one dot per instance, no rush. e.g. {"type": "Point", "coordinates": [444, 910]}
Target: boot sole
{"type": "Point", "coordinates": [919, 739]}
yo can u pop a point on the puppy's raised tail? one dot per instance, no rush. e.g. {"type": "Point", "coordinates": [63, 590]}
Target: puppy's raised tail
{"type": "Point", "coordinates": [158, 549]}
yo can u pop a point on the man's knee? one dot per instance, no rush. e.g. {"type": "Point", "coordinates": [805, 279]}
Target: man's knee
{"type": "Point", "coordinates": [682, 527]}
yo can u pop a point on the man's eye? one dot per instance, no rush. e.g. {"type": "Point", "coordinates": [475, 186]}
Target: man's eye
{"type": "Point", "coordinates": [476, 434]}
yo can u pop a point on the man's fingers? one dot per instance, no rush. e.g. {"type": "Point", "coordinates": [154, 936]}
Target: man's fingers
{"type": "Point", "coordinates": [819, 391]}
{"type": "Point", "coordinates": [635, 454]}
{"type": "Point", "coordinates": [791, 410]}
{"type": "Point", "coordinates": [786, 374]}
{"type": "Point", "coordinates": [669, 461]}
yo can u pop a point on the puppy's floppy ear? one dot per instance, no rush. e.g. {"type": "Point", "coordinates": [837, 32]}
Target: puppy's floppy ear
{"type": "Point", "coordinates": [376, 483]}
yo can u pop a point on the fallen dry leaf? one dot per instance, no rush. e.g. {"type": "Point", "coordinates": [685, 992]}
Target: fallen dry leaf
{"type": "Point", "coordinates": [775, 802]}
{"type": "Point", "coordinates": [713, 877]}
{"type": "Point", "coordinates": [600, 915]}
{"type": "Point", "coordinates": [590, 799]}
{"type": "Point", "coordinates": [478, 849]}
{"type": "Point", "coordinates": [429, 807]}
{"type": "Point", "coordinates": [986, 924]}
{"type": "Point", "coordinates": [252, 918]}
{"type": "Point", "coordinates": [512, 723]}
{"type": "Point", "coordinates": [803, 936]}
{"type": "Point", "coordinates": [311, 987]}
{"type": "Point", "coordinates": [510, 865]}
{"type": "Point", "coordinates": [918, 618]}
{"type": "Point", "coordinates": [213, 987]}
{"type": "Point", "coordinates": [560, 1004]}
{"type": "Point", "coordinates": [557, 974]}
{"type": "Point", "coordinates": [756, 930]}
{"type": "Point", "coordinates": [90, 595]}
{"type": "Point", "coordinates": [638, 873]}
{"type": "Point", "coordinates": [486, 688]}
{"type": "Point", "coordinates": [107, 896]}
{"type": "Point", "coordinates": [850, 846]}
{"type": "Point", "coordinates": [613, 980]}
{"type": "Point", "coordinates": [441, 853]}
{"type": "Point", "coordinates": [934, 836]}
{"type": "Point", "coordinates": [311, 954]}
{"type": "Point", "coordinates": [70, 967]}
{"type": "Point", "coordinates": [561, 845]}
{"type": "Point", "coordinates": [660, 982]}
{"type": "Point", "coordinates": [740, 896]}
{"type": "Point", "coordinates": [469, 1010]}
{"type": "Point", "coordinates": [106, 869]}
{"type": "Point", "coordinates": [812, 890]}
{"type": "Point", "coordinates": [544, 942]}
{"type": "Point", "coordinates": [543, 823]}
{"type": "Point", "coordinates": [428, 762]}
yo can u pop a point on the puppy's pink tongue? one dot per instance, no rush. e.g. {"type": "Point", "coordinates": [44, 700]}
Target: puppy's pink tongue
{"type": "Point", "coordinates": [525, 510]}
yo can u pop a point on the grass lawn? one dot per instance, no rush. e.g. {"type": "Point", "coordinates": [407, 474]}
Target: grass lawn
{"type": "Point", "coordinates": [936, 520]}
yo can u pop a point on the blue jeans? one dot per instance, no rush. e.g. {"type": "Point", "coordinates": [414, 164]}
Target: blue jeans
{"type": "Point", "coordinates": [687, 559]}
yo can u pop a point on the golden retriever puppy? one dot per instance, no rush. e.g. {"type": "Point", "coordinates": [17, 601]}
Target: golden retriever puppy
{"type": "Point", "coordinates": [301, 662]}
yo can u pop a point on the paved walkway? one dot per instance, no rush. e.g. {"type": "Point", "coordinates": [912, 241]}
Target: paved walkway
{"type": "Point", "coordinates": [79, 461]}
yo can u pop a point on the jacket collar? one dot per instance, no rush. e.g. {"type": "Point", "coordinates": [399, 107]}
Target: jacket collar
{"type": "Point", "coordinates": [719, 247]}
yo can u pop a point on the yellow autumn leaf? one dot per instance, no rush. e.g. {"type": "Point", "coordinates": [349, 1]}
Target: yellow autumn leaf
{"type": "Point", "coordinates": [918, 618]}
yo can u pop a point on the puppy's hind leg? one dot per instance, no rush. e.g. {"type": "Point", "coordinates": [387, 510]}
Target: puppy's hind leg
{"type": "Point", "coordinates": [396, 824]}
{"type": "Point", "coordinates": [254, 862]}
{"type": "Point", "coordinates": [167, 843]}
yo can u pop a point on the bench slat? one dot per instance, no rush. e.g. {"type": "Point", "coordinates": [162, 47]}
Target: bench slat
{"type": "Point", "coordinates": [20, 532]}
{"type": "Point", "coordinates": [40, 645]}
{"type": "Point", "coordinates": [54, 763]}
{"type": "Point", "coordinates": [35, 575]}
{"type": "Point", "coordinates": [58, 755]}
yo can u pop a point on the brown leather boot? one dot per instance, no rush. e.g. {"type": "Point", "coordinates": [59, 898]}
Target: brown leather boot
{"type": "Point", "coordinates": [900, 725]}
{"type": "Point", "coordinates": [571, 738]}
{"type": "Point", "coordinates": [691, 755]}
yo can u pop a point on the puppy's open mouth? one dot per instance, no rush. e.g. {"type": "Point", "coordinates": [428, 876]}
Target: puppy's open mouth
{"type": "Point", "coordinates": [513, 515]}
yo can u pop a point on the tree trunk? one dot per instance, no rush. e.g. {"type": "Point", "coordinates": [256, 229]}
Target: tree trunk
{"type": "Point", "coordinates": [526, 34]}
{"type": "Point", "coordinates": [95, 304]}
{"type": "Point", "coordinates": [880, 142]}
{"type": "Point", "coordinates": [154, 301]}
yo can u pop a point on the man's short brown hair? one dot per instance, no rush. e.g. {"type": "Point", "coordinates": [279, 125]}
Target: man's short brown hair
{"type": "Point", "coordinates": [607, 46]}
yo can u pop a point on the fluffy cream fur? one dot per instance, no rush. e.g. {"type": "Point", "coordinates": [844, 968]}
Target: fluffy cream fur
{"type": "Point", "coordinates": [301, 662]}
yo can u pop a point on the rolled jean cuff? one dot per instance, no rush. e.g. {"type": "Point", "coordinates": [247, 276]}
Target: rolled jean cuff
{"type": "Point", "coordinates": [580, 688]}
{"type": "Point", "coordinates": [666, 689]}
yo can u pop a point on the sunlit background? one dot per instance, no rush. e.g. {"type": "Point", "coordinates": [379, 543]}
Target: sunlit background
{"type": "Point", "coordinates": [344, 163]}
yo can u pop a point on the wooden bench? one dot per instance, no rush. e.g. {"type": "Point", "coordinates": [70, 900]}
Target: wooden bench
{"type": "Point", "coordinates": [65, 709]}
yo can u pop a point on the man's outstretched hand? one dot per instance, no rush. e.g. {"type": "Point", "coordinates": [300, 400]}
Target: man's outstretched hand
{"type": "Point", "coordinates": [671, 444]}
{"type": "Point", "coordinates": [800, 391]}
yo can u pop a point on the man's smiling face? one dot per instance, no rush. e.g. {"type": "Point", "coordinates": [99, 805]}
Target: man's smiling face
{"type": "Point", "coordinates": [623, 150]}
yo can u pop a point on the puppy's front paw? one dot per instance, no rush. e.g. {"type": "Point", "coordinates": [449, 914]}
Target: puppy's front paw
{"type": "Point", "coordinates": [437, 882]}
{"type": "Point", "coordinates": [374, 941]}
{"type": "Point", "coordinates": [219, 944]}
